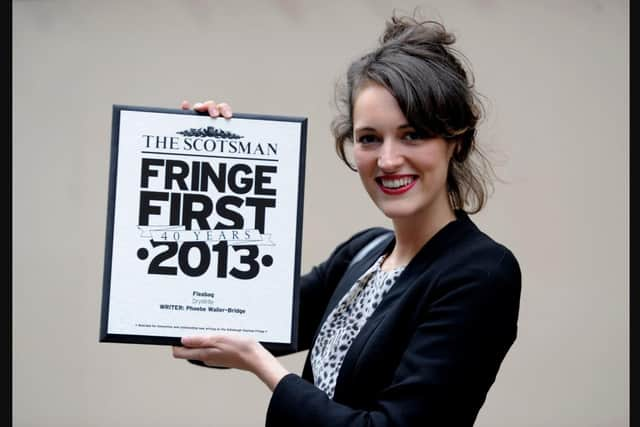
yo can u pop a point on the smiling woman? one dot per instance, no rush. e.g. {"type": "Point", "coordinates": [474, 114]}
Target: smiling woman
{"type": "Point", "coordinates": [412, 332]}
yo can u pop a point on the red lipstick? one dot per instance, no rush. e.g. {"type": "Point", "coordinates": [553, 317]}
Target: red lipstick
{"type": "Point", "coordinates": [396, 184]}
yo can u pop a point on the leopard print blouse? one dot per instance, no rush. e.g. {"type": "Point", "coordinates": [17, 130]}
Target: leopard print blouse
{"type": "Point", "coordinates": [345, 321]}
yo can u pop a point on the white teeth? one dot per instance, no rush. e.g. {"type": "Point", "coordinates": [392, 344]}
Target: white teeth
{"type": "Point", "coordinates": [396, 183]}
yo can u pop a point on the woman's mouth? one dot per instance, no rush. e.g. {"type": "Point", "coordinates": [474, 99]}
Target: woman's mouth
{"type": "Point", "coordinates": [396, 184]}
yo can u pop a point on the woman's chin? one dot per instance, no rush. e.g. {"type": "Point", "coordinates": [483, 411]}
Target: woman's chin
{"type": "Point", "coordinates": [397, 212]}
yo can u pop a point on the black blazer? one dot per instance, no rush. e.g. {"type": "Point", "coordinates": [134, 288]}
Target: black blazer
{"type": "Point", "coordinates": [430, 351]}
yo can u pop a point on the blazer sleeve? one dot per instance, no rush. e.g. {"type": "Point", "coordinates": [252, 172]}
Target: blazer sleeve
{"type": "Point", "coordinates": [462, 333]}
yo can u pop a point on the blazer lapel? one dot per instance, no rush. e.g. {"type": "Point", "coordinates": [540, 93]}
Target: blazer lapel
{"type": "Point", "coordinates": [352, 274]}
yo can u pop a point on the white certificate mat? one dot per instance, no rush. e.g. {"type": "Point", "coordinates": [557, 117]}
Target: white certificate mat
{"type": "Point", "coordinates": [203, 227]}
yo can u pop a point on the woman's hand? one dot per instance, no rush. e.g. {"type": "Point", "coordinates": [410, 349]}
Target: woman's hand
{"type": "Point", "coordinates": [215, 110]}
{"type": "Point", "coordinates": [232, 351]}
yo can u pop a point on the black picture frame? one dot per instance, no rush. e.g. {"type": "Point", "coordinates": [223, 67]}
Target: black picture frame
{"type": "Point", "coordinates": [118, 179]}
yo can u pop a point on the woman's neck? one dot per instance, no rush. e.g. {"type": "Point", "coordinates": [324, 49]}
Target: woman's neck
{"type": "Point", "coordinates": [412, 235]}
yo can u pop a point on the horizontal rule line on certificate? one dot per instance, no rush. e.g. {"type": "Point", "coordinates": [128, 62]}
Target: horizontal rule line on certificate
{"type": "Point", "coordinates": [164, 153]}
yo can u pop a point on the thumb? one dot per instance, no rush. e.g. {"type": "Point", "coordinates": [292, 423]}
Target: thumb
{"type": "Point", "coordinates": [194, 341]}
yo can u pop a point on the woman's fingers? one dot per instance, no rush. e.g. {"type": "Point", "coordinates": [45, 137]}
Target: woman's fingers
{"type": "Point", "coordinates": [202, 106]}
{"type": "Point", "coordinates": [212, 350]}
{"type": "Point", "coordinates": [225, 110]}
{"type": "Point", "coordinates": [198, 341]}
{"type": "Point", "coordinates": [203, 354]}
{"type": "Point", "coordinates": [215, 110]}
{"type": "Point", "coordinates": [222, 350]}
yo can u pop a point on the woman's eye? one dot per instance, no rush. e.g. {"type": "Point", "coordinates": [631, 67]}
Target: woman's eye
{"type": "Point", "coordinates": [412, 136]}
{"type": "Point", "coordinates": [367, 139]}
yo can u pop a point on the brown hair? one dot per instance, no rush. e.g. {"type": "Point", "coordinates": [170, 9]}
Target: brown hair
{"type": "Point", "coordinates": [416, 63]}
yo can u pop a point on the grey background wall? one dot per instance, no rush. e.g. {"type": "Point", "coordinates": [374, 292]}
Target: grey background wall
{"type": "Point", "coordinates": [556, 74]}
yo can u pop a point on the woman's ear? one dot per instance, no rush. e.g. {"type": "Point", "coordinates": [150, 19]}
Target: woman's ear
{"type": "Point", "coordinates": [462, 146]}
{"type": "Point", "coordinates": [454, 150]}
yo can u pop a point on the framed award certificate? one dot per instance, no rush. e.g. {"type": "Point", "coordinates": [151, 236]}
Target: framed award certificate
{"type": "Point", "coordinates": [204, 226]}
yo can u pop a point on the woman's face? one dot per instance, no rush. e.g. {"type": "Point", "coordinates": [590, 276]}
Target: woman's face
{"type": "Point", "coordinates": [404, 173]}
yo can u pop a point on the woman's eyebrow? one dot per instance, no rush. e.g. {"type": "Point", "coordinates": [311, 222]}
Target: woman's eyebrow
{"type": "Point", "coordinates": [370, 129]}
{"type": "Point", "coordinates": [365, 129]}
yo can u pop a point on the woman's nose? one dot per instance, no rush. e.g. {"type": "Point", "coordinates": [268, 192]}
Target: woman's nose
{"type": "Point", "coordinates": [390, 156]}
